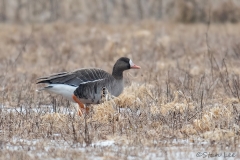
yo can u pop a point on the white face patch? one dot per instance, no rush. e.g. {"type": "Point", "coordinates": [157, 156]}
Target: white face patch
{"type": "Point", "coordinates": [131, 63]}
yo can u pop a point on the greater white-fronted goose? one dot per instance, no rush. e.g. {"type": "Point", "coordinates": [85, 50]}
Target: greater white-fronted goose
{"type": "Point", "coordinates": [85, 86]}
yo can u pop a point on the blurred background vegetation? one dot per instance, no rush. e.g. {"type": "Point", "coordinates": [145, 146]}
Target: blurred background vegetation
{"type": "Point", "coordinates": [119, 11]}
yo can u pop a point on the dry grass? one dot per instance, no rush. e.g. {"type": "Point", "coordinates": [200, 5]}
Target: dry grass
{"type": "Point", "coordinates": [118, 11]}
{"type": "Point", "coordinates": [188, 89]}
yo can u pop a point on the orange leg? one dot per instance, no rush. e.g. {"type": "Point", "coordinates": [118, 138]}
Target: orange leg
{"type": "Point", "coordinates": [81, 105]}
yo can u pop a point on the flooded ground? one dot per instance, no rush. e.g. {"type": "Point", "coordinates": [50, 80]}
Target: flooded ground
{"type": "Point", "coordinates": [58, 148]}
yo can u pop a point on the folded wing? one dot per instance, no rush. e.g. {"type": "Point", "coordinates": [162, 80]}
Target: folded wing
{"type": "Point", "coordinates": [75, 78]}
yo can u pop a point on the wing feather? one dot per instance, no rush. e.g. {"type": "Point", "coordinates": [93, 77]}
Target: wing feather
{"type": "Point", "coordinates": [75, 78]}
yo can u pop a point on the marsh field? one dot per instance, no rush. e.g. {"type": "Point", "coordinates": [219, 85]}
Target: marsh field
{"type": "Point", "coordinates": [184, 99]}
{"type": "Point", "coordinates": [184, 102]}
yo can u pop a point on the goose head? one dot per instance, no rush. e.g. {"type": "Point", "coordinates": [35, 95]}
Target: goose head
{"type": "Point", "coordinates": [121, 65]}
